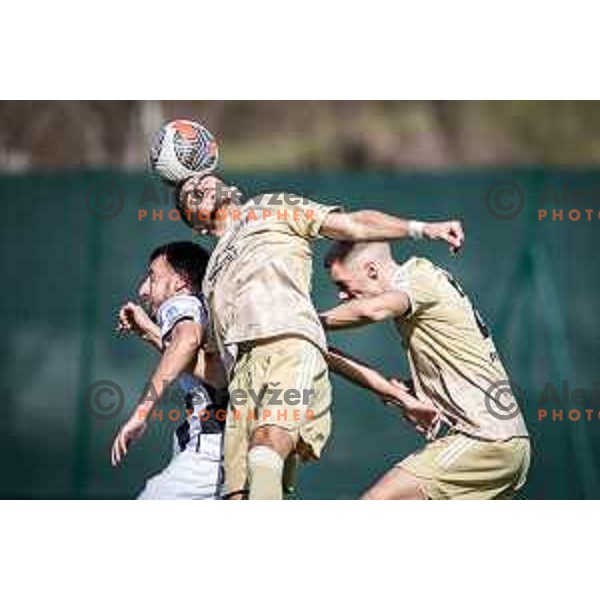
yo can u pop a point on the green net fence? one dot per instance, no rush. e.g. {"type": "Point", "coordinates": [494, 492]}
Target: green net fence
{"type": "Point", "coordinates": [66, 268]}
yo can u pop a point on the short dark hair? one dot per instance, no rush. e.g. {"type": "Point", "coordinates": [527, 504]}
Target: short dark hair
{"type": "Point", "coordinates": [188, 216]}
{"type": "Point", "coordinates": [189, 260]}
{"type": "Point", "coordinates": [338, 251]}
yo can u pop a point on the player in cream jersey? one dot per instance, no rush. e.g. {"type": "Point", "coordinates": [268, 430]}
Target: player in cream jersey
{"type": "Point", "coordinates": [451, 353]}
{"type": "Point", "coordinates": [257, 286]}
{"type": "Point", "coordinates": [454, 365]}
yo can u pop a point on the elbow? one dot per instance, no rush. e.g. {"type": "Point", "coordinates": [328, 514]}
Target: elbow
{"type": "Point", "coordinates": [187, 345]}
{"type": "Point", "coordinates": [191, 345]}
{"type": "Point", "coordinates": [374, 314]}
{"type": "Point", "coordinates": [363, 224]}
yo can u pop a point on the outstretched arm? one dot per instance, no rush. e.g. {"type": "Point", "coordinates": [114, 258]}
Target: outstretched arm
{"type": "Point", "coordinates": [362, 311]}
{"type": "Point", "coordinates": [424, 416]}
{"type": "Point", "coordinates": [366, 377]}
{"type": "Point", "coordinates": [376, 226]}
{"type": "Point", "coordinates": [186, 339]}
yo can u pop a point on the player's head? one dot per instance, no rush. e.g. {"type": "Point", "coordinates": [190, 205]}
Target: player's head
{"type": "Point", "coordinates": [203, 201]}
{"type": "Point", "coordinates": [360, 270]}
{"type": "Point", "coordinates": [174, 268]}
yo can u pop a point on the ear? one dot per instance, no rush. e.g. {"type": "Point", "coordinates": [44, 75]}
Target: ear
{"type": "Point", "coordinates": [181, 284]}
{"type": "Point", "coordinates": [233, 195]}
{"type": "Point", "coordinates": [372, 270]}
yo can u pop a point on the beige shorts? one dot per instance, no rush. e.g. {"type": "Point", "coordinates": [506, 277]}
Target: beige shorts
{"type": "Point", "coordinates": [461, 467]}
{"type": "Point", "coordinates": [283, 382]}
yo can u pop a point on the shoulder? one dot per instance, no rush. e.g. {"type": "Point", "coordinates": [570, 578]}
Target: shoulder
{"type": "Point", "coordinates": [281, 198]}
{"type": "Point", "coordinates": [419, 278]}
{"type": "Point", "coordinates": [411, 268]}
{"type": "Point", "coordinates": [419, 264]}
{"type": "Point", "coordinates": [284, 212]}
{"type": "Point", "coordinates": [180, 307]}
{"type": "Point", "coordinates": [421, 269]}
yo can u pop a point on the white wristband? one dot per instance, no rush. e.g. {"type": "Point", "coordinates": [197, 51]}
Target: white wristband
{"type": "Point", "coordinates": [416, 229]}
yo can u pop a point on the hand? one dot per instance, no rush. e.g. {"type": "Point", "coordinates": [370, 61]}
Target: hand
{"type": "Point", "coordinates": [423, 415]}
{"type": "Point", "coordinates": [134, 319]}
{"type": "Point", "coordinates": [134, 429]}
{"type": "Point", "coordinates": [449, 231]}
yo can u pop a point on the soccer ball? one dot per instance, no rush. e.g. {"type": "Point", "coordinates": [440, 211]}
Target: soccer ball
{"type": "Point", "coordinates": [182, 149]}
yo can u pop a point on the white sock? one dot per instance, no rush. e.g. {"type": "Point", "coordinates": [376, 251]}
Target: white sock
{"type": "Point", "coordinates": [265, 469]}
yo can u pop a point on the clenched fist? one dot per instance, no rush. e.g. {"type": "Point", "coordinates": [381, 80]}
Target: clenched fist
{"type": "Point", "coordinates": [448, 231]}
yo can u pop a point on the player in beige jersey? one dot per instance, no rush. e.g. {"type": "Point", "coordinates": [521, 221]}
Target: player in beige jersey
{"type": "Point", "coordinates": [454, 365]}
{"type": "Point", "coordinates": [269, 336]}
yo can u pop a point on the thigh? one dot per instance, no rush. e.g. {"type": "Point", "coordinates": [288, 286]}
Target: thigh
{"type": "Point", "coordinates": [461, 467]}
{"type": "Point", "coordinates": [249, 375]}
{"type": "Point", "coordinates": [298, 396]}
{"type": "Point", "coordinates": [280, 389]}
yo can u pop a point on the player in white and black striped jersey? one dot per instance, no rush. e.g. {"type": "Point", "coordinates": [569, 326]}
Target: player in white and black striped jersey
{"type": "Point", "coordinates": [177, 326]}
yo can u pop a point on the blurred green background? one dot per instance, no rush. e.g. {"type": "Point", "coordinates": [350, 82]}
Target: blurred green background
{"type": "Point", "coordinates": [65, 271]}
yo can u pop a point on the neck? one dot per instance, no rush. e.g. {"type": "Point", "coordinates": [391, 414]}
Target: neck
{"type": "Point", "coordinates": [221, 226]}
{"type": "Point", "coordinates": [184, 291]}
{"type": "Point", "coordinates": [389, 270]}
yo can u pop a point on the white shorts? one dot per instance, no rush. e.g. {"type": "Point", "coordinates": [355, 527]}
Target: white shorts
{"type": "Point", "coordinates": [190, 475]}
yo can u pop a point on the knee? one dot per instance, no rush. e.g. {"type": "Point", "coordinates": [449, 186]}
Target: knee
{"type": "Point", "coordinates": [374, 494]}
{"type": "Point", "coordinates": [276, 438]}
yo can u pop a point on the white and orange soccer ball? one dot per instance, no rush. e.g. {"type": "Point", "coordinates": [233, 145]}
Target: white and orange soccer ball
{"type": "Point", "coordinates": [183, 148]}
